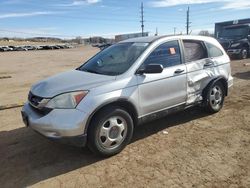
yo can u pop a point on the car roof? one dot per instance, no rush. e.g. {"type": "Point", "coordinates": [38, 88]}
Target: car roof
{"type": "Point", "coordinates": [143, 39]}
{"type": "Point", "coordinates": [152, 39]}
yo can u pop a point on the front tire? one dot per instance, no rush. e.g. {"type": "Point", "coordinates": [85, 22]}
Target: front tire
{"type": "Point", "coordinates": [110, 131]}
{"type": "Point", "coordinates": [214, 97]}
{"type": "Point", "coordinates": [244, 53]}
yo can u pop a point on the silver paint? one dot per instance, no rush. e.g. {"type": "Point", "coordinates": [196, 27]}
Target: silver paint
{"type": "Point", "coordinates": [149, 93]}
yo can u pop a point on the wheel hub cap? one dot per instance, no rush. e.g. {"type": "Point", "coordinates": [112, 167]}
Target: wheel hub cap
{"type": "Point", "coordinates": [244, 54]}
{"type": "Point", "coordinates": [216, 97]}
{"type": "Point", "coordinates": [113, 132]}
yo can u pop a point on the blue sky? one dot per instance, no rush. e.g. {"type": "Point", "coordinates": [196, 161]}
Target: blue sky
{"type": "Point", "coordinates": [71, 18]}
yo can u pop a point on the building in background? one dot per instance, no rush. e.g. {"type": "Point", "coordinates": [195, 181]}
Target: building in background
{"type": "Point", "coordinates": [219, 27]}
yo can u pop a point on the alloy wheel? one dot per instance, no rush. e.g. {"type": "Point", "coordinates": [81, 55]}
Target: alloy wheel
{"type": "Point", "coordinates": [216, 97]}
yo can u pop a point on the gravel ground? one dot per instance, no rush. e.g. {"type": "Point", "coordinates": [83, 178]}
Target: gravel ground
{"type": "Point", "coordinates": [186, 149]}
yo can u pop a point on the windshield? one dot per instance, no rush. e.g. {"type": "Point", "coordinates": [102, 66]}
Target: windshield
{"type": "Point", "coordinates": [231, 33]}
{"type": "Point", "coordinates": [114, 60]}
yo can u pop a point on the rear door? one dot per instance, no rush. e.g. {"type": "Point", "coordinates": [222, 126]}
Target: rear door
{"type": "Point", "coordinates": [166, 89]}
{"type": "Point", "coordinates": [200, 69]}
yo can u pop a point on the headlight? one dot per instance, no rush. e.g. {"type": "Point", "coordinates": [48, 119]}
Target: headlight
{"type": "Point", "coordinates": [66, 100]}
{"type": "Point", "coordinates": [235, 44]}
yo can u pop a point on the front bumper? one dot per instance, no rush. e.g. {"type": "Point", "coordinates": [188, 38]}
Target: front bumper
{"type": "Point", "coordinates": [233, 52]}
{"type": "Point", "coordinates": [64, 125]}
{"type": "Point", "coordinates": [230, 81]}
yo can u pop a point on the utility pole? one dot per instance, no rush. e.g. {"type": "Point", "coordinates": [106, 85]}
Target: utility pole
{"type": "Point", "coordinates": [156, 32]}
{"type": "Point", "coordinates": [142, 20]}
{"type": "Point", "coordinates": [174, 30]}
{"type": "Point", "coordinates": [188, 22]}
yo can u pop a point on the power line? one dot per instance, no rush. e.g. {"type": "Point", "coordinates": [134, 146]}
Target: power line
{"type": "Point", "coordinates": [57, 35]}
{"type": "Point", "coordinates": [100, 19]}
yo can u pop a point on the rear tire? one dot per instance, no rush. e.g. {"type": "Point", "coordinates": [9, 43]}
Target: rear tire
{"type": "Point", "coordinates": [110, 131]}
{"type": "Point", "coordinates": [214, 97]}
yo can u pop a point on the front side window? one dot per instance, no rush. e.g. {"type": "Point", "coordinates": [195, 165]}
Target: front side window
{"type": "Point", "coordinates": [114, 60]}
{"type": "Point", "coordinates": [213, 51]}
{"type": "Point", "coordinates": [167, 55]}
{"type": "Point", "coordinates": [194, 50]}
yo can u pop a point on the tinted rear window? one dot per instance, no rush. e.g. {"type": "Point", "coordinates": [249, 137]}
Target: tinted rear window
{"type": "Point", "coordinates": [194, 50]}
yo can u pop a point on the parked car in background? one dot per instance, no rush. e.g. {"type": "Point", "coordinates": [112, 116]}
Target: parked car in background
{"type": "Point", "coordinates": [234, 36]}
{"type": "Point", "coordinates": [20, 48]}
{"type": "Point", "coordinates": [35, 47]}
{"type": "Point", "coordinates": [5, 48]}
{"type": "Point", "coordinates": [2, 49]}
{"type": "Point", "coordinates": [126, 84]}
{"type": "Point", "coordinates": [103, 46]}
{"type": "Point", "coordinates": [29, 47]}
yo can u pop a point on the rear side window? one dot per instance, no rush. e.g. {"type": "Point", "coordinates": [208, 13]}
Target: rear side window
{"type": "Point", "coordinates": [167, 54]}
{"type": "Point", "coordinates": [194, 50]}
{"type": "Point", "coordinates": [213, 51]}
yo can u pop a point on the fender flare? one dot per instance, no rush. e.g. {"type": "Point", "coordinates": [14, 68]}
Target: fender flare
{"type": "Point", "coordinates": [221, 79]}
{"type": "Point", "coordinates": [110, 102]}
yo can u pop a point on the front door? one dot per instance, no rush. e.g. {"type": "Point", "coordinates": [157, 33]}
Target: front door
{"type": "Point", "coordinates": [167, 89]}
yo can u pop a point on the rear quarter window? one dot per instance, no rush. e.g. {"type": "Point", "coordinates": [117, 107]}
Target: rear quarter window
{"type": "Point", "coordinates": [213, 51]}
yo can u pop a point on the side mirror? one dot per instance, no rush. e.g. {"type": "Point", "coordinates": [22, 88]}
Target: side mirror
{"type": "Point", "coordinates": [151, 69]}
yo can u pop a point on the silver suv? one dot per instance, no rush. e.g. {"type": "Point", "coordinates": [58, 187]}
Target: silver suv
{"type": "Point", "coordinates": [127, 84]}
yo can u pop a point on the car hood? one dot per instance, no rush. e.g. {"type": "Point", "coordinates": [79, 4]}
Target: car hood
{"type": "Point", "coordinates": [69, 81]}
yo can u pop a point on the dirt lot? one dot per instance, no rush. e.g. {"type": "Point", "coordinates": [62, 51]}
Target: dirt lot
{"type": "Point", "coordinates": [200, 150]}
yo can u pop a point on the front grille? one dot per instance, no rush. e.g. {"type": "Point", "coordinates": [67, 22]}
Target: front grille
{"type": "Point", "coordinates": [225, 45]}
{"type": "Point", "coordinates": [41, 111]}
{"type": "Point", "coordinates": [34, 102]}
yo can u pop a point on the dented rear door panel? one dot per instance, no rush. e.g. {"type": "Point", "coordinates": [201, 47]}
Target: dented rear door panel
{"type": "Point", "coordinates": [201, 72]}
{"type": "Point", "coordinates": [198, 76]}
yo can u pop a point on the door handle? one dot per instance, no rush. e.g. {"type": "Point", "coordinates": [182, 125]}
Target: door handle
{"type": "Point", "coordinates": [178, 71]}
{"type": "Point", "coordinates": [208, 63]}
